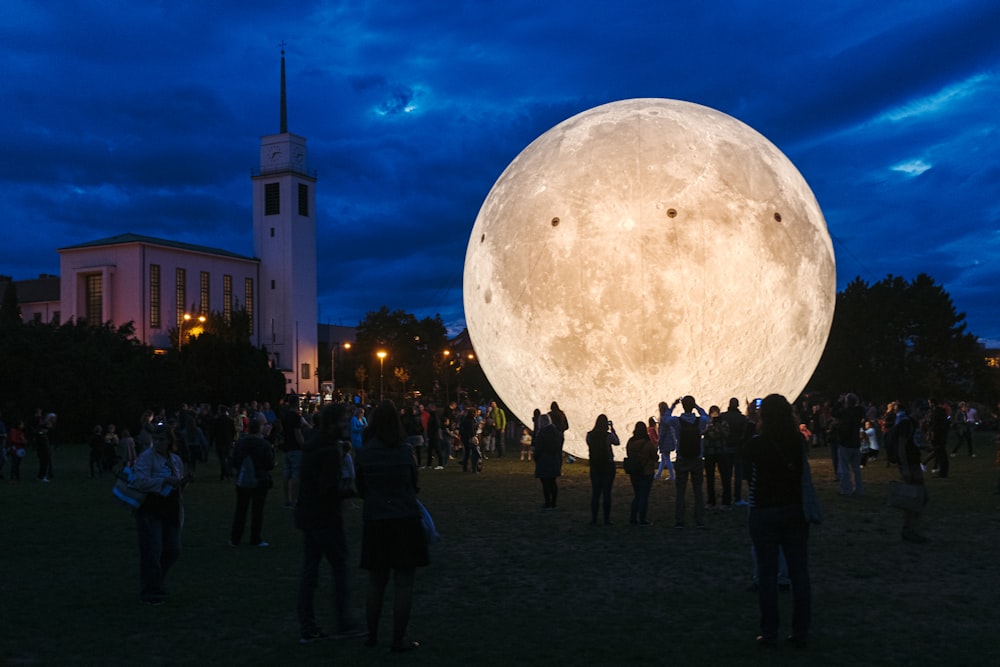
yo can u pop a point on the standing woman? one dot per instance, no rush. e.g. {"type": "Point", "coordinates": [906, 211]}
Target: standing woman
{"type": "Point", "coordinates": [548, 443]}
{"type": "Point", "coordinates": [393, 539]}
{"type": "Point", "coordinates": [641, 449]}
{"type": "Point", "coordinates": [159, 473]}
{"type": "Point", "coordinates": [602, 466]}
{"type": "Point", "coordinates": [775, 457]}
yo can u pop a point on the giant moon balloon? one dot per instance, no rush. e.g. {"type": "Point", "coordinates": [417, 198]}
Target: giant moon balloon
{"type": "Point", "coordinates": [642, 250]}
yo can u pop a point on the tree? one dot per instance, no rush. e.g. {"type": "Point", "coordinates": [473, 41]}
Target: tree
{"type": "Point", "coordinates": [408, 342]}
{"type": "Point", "coordinates": [10, 308]}
{"type": "Point", "coordinates": [898, 338]}
{"type": "Point", "coordinates": [402, 376]}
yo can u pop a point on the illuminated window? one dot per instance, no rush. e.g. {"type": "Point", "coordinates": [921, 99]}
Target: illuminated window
{"type": "Point", "coordinates": [95, 298]}
{"type": "Point", "coordinates": [305, 372]}
{"type": "Point", "coordinates": [227, 298]}
{"type": "Point", "coordinates": [154, 296]}
{"type": "Point", "coordinates": [248, 300]}
{"type": "Point", "coordinates": [203, 310]}
{"type": "Point", "coordinates": [180, 293]}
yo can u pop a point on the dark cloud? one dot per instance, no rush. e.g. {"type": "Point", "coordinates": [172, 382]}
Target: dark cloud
{"type": "Point", "coordinates": [145, 117]}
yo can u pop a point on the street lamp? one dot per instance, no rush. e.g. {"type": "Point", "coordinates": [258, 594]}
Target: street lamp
{"type": "Point", "coordinates": [180, 328]}
{"type": "Point", "coordinates": [381, 375]}
{"type": "Point", "coordinates": [447, 373]}
{"type": "Point", "coordinates": [333, 362]}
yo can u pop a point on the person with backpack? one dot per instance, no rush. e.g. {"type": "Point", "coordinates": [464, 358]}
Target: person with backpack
{"type": "Point", "coordinates": [253, 460]}
{"type": "Point", "coordinates": [689, 464]}
{"type": "Point", "coordinates": [666, 443]}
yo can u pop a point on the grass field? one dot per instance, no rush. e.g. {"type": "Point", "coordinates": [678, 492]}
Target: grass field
{"type": "Point", "coordinates": [509, 584]}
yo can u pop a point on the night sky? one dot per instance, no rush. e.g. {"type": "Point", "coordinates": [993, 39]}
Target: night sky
{"type": "Point", "coordinates": [145, 117]}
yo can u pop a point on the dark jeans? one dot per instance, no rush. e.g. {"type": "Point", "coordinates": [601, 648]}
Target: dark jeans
{"type": "Point", "coordinates": [244, 499]}
{"type": "Point", "coordinates": [695, 468]}
{"type": "Point", "coordinates": [601, 482]}
{"type": "Point", "coordinates": [500, 444]}
{"type": "Point", "coordinates": [641, 486]}
{"type": "Point", "coordinates": [964, 437]}
{"type": "Point", "coordinates": [318, 544]}
{"type": "Point", "coordinates": [550, 491]}
{"type": "Point", "coordinates": [782, 527]}
{"type": "Point", "coordinates": [44, 462]}
{"type": "Point", "coordinates": [724, 462]}
{"type": "Point", "coordinates": [470, 452]}
{"type": "Point", "coordinates": [436, 447]}
{"type": "Point", "coordinates": [159, 549]}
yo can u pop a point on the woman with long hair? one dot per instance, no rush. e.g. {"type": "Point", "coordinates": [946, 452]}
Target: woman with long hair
{"type": "Point", "coordinates": [393, 537]}
{"type": "Point", "coordinates": [602, 466]}
{"type": "Point", "coordinates": [548, 444]}
{"type": "Point", "coordinates": [776, 456]}
{"type": "Point", "coordinates": [642, 451]}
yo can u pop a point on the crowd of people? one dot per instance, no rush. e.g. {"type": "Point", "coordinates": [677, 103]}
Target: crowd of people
{"type": "Point", "coordinates": [335, 452]}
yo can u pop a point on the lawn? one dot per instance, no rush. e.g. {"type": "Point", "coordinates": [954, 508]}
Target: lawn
{"type": "Point", "coordinates": [509, 584]}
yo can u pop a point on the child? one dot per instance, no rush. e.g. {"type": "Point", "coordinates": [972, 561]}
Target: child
{"type": "Point", "coordinates": [525, 444]}
{"type": "Point", "coordinates": [15, 450]}
{"type": "Point", "coordinates": [347, 471]}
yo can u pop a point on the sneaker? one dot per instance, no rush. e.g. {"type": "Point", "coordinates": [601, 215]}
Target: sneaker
{"type": "Point", "coordinates": [263, 544]}
{"type": "Point", "coordinates": [679, 524]}
{"type": "Point", "coordinates": [312, 636]}
{"type": "Point", "coordinates": [439, 467]}
{"type": "Point", "coordinates": [741, 503]}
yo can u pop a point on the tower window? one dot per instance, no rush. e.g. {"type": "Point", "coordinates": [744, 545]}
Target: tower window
{"type": "Point", "coordinates": [303, 199]}
{"type": "Point", "coordinates": [272, 232]}
{"type": "Point", "coordinates": [272, 198]}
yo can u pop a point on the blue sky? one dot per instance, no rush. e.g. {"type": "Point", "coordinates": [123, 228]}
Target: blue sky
{"type": "Point", "coordinates": [145, 117]}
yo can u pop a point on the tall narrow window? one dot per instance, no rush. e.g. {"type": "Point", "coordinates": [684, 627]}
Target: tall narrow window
{"type": "Point", "coordinates": [154, 296]}
{"type": "Point", "coordinates": [305, 372]}
{"type": "Point", "coordinates": [204, 306]}
{"type": "Point", "coordinates": [272, 198]}
{"type": "Point", "coordinates": [180, 295]}
{"type": "Point", "coordinates": [95, 299]}
{"type": "Point", "coordinates": [248, 300]}
{"type": "Point", "coordinates": [303, 199]}
{"type": "Point", "coordinates": [227, 298]}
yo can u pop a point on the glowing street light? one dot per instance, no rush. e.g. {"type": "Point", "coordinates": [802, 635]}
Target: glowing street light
{"type": "Point", "coordinates": [180, 328]}
{"type": "Point", "coordinates": [447, 369]}
{"type": "Point", "coordinates": [381, 375]}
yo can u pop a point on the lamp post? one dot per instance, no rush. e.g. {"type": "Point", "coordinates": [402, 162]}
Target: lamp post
{"type": "Point", "coordinates": [381, 375]}
{"type": "Point", "coordinates": [447, 373]}
{"type": "Point", "coordinates": [180, 328]}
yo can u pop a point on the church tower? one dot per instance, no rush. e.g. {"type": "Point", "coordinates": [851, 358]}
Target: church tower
{"type": "Point", "coordinates": [284, 240]}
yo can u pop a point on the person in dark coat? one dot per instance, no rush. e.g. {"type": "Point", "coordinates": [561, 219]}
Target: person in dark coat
{"type": "Point", "coordinates": [393, 542]}
{"type": "Point", "coordinates": [318, 516]}
{"type": "Point", "coordinates": [548, 445]}
{"type": "Point", "coordinates": [251, 493]}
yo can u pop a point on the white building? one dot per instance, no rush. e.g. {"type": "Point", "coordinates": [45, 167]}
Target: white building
{"type": "Point", "coordinates": [155, 282]}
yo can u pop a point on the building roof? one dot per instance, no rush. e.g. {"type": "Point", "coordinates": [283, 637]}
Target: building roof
{"type": "Point", "coordinates": [36, 290]}
{"type": "Point", "coordinates": [123, 239]}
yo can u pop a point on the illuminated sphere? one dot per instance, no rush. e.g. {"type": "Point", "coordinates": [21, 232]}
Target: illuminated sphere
{"type": "Point", "coordinates": [642, 250]}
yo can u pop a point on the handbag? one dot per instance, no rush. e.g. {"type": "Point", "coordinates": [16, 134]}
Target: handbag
{"type": "Point", "coordinates": [909, 497]}
{"type": "Point", "coordinates": [126, 494]}
{"type": "Point", "coordinates": [811, 510]}
{"type": "Point", "coordinates": [629, 466]}
{"type": "Point", "coordinates": [427, 521]}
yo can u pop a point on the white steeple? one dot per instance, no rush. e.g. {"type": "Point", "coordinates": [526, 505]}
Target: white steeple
{"type": "Point", "coordinates": [284, 223]}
